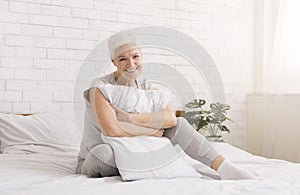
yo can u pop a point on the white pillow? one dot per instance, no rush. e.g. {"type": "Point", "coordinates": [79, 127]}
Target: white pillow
{"type": "Point", "coordinates": [135, 100]}
{"type": "Point", "coordinates": [37, 133]}
{"type": "Point", "coordinates": [146, 157]}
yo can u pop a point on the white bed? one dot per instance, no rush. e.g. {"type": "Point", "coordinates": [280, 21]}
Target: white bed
{"type": "Point", "coordinates": [52, 172]}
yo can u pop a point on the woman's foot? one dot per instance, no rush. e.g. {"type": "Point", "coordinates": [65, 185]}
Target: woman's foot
{"type": "Point", "coordinates": [227, 170]}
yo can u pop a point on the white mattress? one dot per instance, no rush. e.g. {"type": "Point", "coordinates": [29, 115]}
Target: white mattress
{"type": "Point", "coordinates": [54, 174]}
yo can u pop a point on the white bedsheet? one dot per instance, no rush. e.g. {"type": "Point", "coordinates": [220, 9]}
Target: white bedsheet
{"type": "Point", "coordinates": [54, 174]}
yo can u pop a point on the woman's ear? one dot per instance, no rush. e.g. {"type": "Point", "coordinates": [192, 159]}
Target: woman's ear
{"type": "Point", "coordinates": [112, 60]}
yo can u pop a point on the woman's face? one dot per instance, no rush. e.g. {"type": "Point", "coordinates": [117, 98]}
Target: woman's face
{"type": "Point", "coordinates": [128, 63]}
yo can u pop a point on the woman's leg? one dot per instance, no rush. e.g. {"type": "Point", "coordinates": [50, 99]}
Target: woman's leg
{"type": "Point", "coordinates": [100, 162]}
{"type": "Point", "coordinates": [193, 143]}
{"type": "Point", "coordinates": [197, 147]}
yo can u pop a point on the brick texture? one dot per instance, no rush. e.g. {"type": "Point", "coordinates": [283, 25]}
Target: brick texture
{"type": "Point", "coordinates": [44, 42]}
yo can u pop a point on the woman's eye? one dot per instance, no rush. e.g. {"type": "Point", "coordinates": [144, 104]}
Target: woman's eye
{"type": "Point", "coordinates": [136, 56]}
{"type": "Point", "coordinates": [122, 59]}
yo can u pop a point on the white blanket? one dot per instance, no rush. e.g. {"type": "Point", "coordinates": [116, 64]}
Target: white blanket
{"type": "Point", "coordinates": [36, 174]}
{"type": "Point", "coordinates": [144, 157]}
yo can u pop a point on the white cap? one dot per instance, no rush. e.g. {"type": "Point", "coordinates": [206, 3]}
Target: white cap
{"type": "Point", "coordinates": [120, 39]}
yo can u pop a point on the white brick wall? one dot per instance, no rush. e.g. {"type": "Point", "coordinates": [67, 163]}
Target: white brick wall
{"type": "Point", "coordinates": [67, 33]}
{"type": "Point", "coordinates": [2, 85]}
{"type": "Point", "coordinates": [21, 85]}
{"type": "Point", "coordinates": [21, 7]}
{"type": "Point", "coordinates": [36, 30]}
{"type": "Point", "coordinates": [12, 62]}
{"type": "Point", "coordinates": [43, 43]}
{"type": "Point", "coordinates": [49, 64]}
{"type": "Point", "coordinates": [53, 10]}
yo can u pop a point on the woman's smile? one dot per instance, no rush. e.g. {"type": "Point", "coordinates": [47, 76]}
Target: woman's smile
{"type": "Point", "coordinates": [132, 70]}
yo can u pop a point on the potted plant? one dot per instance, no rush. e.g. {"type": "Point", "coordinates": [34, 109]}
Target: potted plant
{"type": "Point", "coordinates": [211, 121]}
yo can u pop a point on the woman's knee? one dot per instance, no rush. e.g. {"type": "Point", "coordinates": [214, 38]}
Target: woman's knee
{"type": "Point", "coordinates": [99, 162]}
{"type": "Point", "coordinates": [171, 133]}
{"type": "Point", "coordinates": [101, 147]}
{"type": "Point", "coordinates": [184, 128]}
{"type": "Point", "coordinates": [103, 152]}
{"type": "Point", "coordinates": [182, 122]}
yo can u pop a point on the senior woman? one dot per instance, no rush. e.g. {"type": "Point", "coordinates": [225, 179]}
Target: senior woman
{"type": "Point", "coordinates": [96, 159]}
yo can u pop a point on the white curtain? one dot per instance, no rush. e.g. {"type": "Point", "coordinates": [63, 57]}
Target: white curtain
{"type": "Point", "coordinates": [281, 79]}
{"type": "Point", "coordinates": [282, 68]}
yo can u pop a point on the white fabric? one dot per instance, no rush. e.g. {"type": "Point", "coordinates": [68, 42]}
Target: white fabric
{"type": "Point", "coordinates": [135, 100]}
{"type": "Point", "coordinates": [144, 157]}
{"type": "Point", "coordinates": [281, 52]}
{"type": "Point", "coordinates": [42, 132]}
{"type": "Point", "coordinates": [278, 76]}
{"type": "Point", "coordinates": [45, 174]}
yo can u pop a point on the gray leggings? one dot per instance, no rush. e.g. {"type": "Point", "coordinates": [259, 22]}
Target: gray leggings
{"type": "Point", "coordinates": [100, 161]}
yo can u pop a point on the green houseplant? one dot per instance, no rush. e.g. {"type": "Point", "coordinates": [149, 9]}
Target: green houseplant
{"type": "Point", "coordinates": [211, 121]}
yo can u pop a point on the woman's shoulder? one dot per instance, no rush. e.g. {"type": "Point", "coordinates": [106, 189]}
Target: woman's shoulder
{"type": "Point", "coordinates": [105, 79]}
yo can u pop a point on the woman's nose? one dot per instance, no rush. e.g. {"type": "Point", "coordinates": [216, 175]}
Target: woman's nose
{"type": "Point", "coordinates": [131, 62]}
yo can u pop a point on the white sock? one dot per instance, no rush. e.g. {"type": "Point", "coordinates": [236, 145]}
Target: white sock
{"type": "Point", "coordinates": [227, 170]}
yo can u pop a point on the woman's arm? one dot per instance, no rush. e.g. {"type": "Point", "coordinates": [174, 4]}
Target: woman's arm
{"type": "Point", "coordinates": [156, 120]}
{"type": "Point", "coordinates": [106, 118]}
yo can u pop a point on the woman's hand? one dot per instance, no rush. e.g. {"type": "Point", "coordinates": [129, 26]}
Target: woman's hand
{"type": "Point", "coordinates": [122, 115]}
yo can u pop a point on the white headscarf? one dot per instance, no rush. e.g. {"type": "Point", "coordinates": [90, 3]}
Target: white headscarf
{"type": "Point", "coordinates": [121, 39]}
